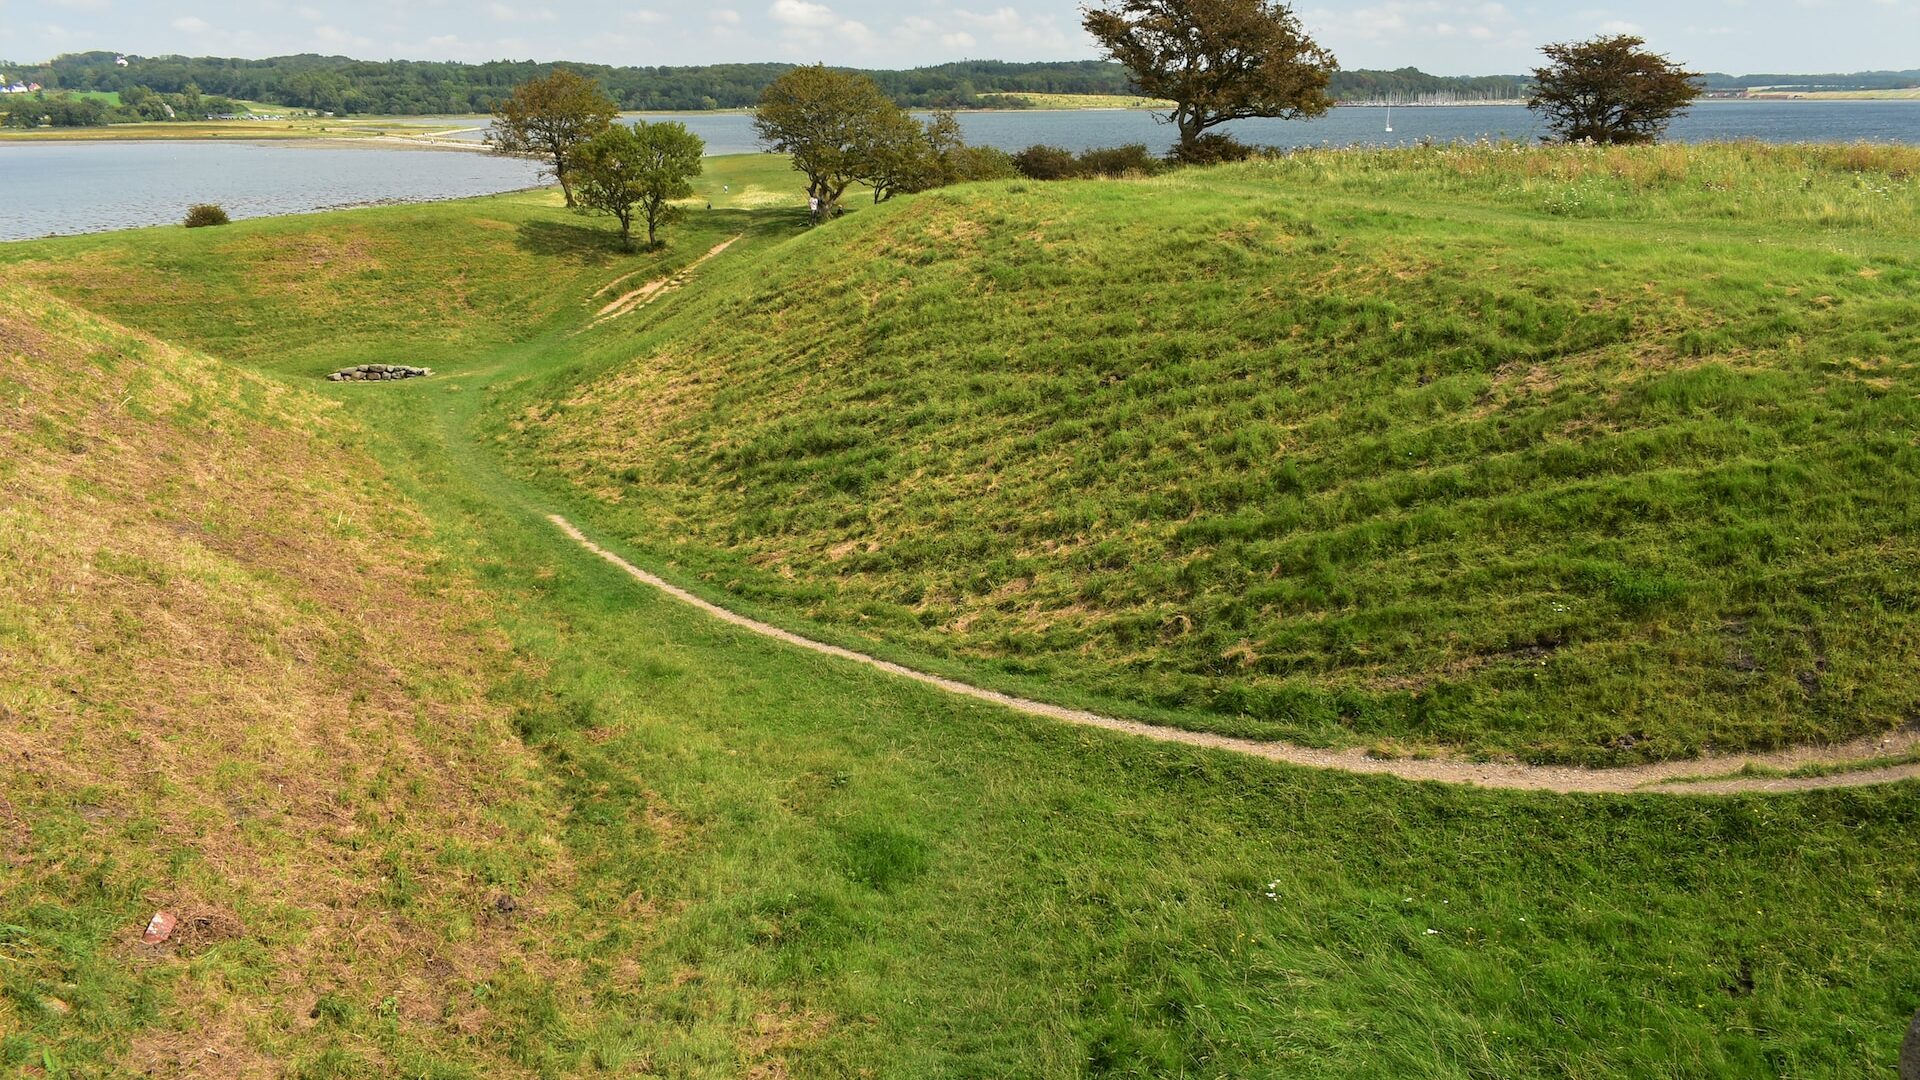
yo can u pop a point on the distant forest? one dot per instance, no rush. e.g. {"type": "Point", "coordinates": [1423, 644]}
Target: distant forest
{"type": "Point", "coordinates": [1859, 80]}
{"type": "Point", "coordinates": [340, 85]}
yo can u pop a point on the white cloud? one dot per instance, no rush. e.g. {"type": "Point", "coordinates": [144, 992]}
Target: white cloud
{"type": "Point", "coordinates": [507, 13]}
{"type": "Point", "coordinates": [802, 13]}
{"type": "Point", "coordinates": [1007, 26]}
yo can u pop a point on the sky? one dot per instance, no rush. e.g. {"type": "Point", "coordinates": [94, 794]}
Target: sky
{"type": "Point", "coordinates": [1447, 37]}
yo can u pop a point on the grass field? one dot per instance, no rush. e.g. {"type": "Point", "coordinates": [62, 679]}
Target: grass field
{"type": "Point", "coordinates": [1590, 456]}
{"type": "Point", "coordinates": [724, 857]}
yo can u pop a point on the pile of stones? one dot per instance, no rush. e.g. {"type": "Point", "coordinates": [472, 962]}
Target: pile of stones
{"type": "Point", "coordinates": [378, 372]}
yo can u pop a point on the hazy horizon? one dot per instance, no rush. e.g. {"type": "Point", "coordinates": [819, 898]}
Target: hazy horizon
{"type": "Point", "coordinates": [1438, 36]}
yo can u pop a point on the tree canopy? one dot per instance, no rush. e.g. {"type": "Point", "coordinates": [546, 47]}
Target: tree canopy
{"type": "Point", "coordinates": [832, 123]}
{"type": "Point", "coordinates": [639, 171]}
{"type": "Point", "coordinates": [1610, 90]}
{"type": "Point", "coordinates": [905, 156]}
{"type": "Point", "coordinates": [1217, 60]}
{"type": "Point", "coordinates": [551, 118]}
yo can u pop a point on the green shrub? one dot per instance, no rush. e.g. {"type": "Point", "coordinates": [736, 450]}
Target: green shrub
{"type": "Point", "coordinates": [1041, 162]}
{"type": "Point", "coordinates": [205, 214]}
{"type": "Point", "coordinates": [982, 163]}
{"type": "Point", "coordinates": [1117, 161]}
{"type": "Point", "coordinates": [1213, 148]}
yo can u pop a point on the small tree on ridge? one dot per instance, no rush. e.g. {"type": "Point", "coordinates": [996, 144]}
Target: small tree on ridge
{"type": "Point", "coordinates": [639, 171]}
{"type": "Point", "coordinates": [830, 123]}
{"type": "Point", "coordinates": [1610, 90]}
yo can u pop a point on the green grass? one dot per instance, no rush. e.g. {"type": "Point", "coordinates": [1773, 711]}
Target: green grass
{"type": "Point", "coordinates": [767, 860]}
{"type": "Point", "coordinates": [1573, 455]}
{"type": "Point", "coordinates": [955, 891]}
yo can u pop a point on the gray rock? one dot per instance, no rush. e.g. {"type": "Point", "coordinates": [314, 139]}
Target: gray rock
{"type": "Point", "coordinates": [378, 373]}
{"type": "Point", "coordinates": [1910, 1053]}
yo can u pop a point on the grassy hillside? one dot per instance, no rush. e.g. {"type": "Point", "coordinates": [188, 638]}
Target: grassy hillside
{"type": "Point", "coordinates": [235, 684]}
{"type": "Point", "coordinates": [1590, 455]}
{"type": "Point", "coordinates": [728, 858]}
{"type": "Point", "coordinates": [307, 294]}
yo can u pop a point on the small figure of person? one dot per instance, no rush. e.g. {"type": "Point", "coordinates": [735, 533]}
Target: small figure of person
{"type": "Point", "coordinates": [813, 208]}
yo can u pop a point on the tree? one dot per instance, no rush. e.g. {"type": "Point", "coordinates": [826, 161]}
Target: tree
{"type": "Point", "coordinates": [639, 170]}
{"type": "Point", "coordinates": [896, 157]}
{"type": "Point", "coordinates": [830, 123]}
{"type": "Point", "coordinates": [1610, 90]}
{"type": "Point", "coordinates": [552, 118]}
{"type": "Point", "coordinates": [1216, 60]}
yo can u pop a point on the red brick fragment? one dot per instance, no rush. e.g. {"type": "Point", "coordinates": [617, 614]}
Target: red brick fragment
{"type": "Point", "coordinates": [159, 928]}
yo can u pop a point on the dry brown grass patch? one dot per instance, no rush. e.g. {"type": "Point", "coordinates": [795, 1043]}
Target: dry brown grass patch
{"type": "Point", "coordinates": [224, 635]}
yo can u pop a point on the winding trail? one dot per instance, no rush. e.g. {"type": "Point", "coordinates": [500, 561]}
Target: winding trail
{"type": "Point", "coordinates": [1702, 776]}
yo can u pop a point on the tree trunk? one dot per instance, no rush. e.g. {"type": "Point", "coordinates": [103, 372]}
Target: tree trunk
{"type": "Point", "coordinates": [1188, 122]}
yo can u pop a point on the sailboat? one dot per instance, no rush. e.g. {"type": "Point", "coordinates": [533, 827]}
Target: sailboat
{"type": "Point", "coordinates": [1389, 117]}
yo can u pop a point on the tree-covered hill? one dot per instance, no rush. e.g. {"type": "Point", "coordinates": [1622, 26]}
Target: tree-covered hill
{"type": "Point", "coordinates": [410, 87]}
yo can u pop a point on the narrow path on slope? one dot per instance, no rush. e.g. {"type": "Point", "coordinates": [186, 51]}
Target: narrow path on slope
{"type": "Point", "coordinates": [1716, 775]}
{"type": "Point", "coordinates": [655, 289]}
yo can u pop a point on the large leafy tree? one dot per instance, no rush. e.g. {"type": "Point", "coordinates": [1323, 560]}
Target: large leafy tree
{"type": "Point", "coordinates": [638, 171]}
{"type": "Point", "coordinates": [551, 118]}
{"type": "Point", "coordinates": [1610, 90]}
{"type": "Point", "coordinates": [1216, 60]}
{"type": "Point", "coordinates": [830, 123]}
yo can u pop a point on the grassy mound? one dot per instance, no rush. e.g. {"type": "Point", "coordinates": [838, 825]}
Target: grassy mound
{"type": "Point", "coordinates": [729, 858]}
{"type": "Point", "coordinates": [1581, 455]}
{"type": "Point", "coordinates": [235, 685]}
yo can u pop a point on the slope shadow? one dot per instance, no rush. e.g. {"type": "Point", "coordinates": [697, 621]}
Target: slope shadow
{"type": "Point", "coordinates": [587, 245]}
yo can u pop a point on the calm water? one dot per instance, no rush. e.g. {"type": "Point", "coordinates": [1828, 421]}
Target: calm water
{"type": "Point", "coordinates": [1768, 121]}
{"type": "Point", "coordinates": [77, 187]}
{"type": "Point", "coordinates": [48, 188]}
